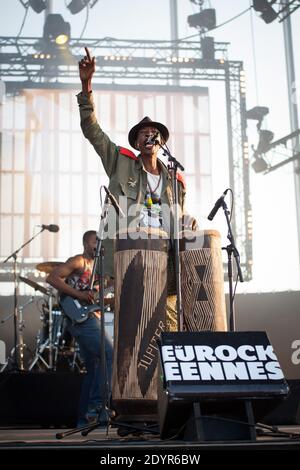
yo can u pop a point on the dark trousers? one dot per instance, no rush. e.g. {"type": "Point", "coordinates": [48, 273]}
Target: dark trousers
{"type": "Point", "coordinates": [88, 336]}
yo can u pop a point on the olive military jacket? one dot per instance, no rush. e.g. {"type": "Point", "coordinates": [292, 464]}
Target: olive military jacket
{"type": "Point", "coordinates": [127, 177]}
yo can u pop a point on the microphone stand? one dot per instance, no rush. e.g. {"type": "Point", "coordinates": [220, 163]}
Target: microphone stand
{"type": "Point", "coordinates": [97, 268]}
{"type": "Point", "coordinates": [17, 365]}
{"type": "Point", "coordinates": [173, 166]}
{"type": "Point", "coordinates": [231, 250]}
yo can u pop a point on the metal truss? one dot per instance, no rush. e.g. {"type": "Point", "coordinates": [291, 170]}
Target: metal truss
{"type": "Point", "coordinates": [286, 152]}
{"type": "Point", "coordinates": [238, 154]}
{"type": "Point", "coordinates": [287, 8]}
{"type": "Point", "coordinates": [30, 62]}
{"type": "Point", "coordinates": [32, 59]}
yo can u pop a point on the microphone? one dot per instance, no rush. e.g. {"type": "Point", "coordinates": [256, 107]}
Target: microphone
{"type": "Point", "coordinates": [114, 202]}
{"type": "Point", "coordinates": [217, 206]}
{"type": "Point", "coordinates": [51, 228]}
{"type": "Point", "coordinates": [152, 139]}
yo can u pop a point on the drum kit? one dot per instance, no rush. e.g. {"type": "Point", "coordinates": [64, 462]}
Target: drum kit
{"type": "Point", "coordinates": [54, 345]}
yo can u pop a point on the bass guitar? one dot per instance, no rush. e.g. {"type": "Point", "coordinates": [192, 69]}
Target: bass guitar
{"type": "Point", "coordinates": [75, 311]}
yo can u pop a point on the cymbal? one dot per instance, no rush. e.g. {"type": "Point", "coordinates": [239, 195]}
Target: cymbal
{"type": "Point", "coordinates": [48, 266]}
{"type": "Point", "coordinates": [33, 284]}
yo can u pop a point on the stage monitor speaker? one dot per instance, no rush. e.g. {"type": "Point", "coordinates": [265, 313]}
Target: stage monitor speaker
{"type": "Point", "coordinates": [215, 386]}
{"type": "Point", "coordinates": [39, 399]}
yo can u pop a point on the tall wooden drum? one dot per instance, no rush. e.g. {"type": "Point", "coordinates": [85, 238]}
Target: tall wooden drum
{"type": "Point", "coordinates": [140, 309]}
{"type": "Point", "coordinates": [202, 281]}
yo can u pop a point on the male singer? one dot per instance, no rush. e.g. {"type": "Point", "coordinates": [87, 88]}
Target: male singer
{"type": "Point", "coordinates": [144, 179]}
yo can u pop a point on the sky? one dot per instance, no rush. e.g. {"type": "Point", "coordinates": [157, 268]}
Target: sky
{"type": "Point", "coordinates": [261, 48]}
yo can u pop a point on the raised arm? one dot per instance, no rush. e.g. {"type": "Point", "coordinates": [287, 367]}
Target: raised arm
{"type": "Point", "coordinates": [87, 68]}
{"type": "Point", "coordinates": [106, 149]}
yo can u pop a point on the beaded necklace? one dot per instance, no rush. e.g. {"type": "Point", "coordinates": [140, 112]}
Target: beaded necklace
{"type": "Point", "coordinates": [152, 198]}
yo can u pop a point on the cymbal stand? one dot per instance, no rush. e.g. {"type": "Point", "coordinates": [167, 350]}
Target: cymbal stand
{"type": "Point", "coordinates": [21, 327]}
{"type": "Point", "coordinates": [38, 355]}
{"type": "Point", "coordinates": [75, 362]}
{"type": "Point", "coordinates": [49, 341]}
{"type": "Point", "coordinates": [20, 346]}
{"type": "Point", "coordinates": [50, 303]}
{"type": "Point", "coordinates": [15, 362]}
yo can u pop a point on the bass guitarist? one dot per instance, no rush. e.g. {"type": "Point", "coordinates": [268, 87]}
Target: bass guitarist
{"type": "Point", "coordinates": [72, 280]}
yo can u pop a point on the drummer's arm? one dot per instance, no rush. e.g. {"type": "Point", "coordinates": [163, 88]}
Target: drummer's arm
{"type": "Point", "coordinates": [57, 279]}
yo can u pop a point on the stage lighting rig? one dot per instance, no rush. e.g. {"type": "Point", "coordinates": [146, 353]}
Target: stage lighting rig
{"type": "Point", "coordinates": [56, 30]}
{"type": "Point", "coordinates": [265, 145]}
{"type": "Point", "coordinates": [37, 5]}
{"type": "Point", "coordinates": [257, 114]}
{"type": "Point", "coordinates": [265, 137]}
{"type": "Point", "coordinates": [205, 19]}
{"type": "Point", "coordinates": [260, 164]}
{"type": "Point", "coordinates": [269, 14]}
{"type": "Point", "coordinates": [75, 6]}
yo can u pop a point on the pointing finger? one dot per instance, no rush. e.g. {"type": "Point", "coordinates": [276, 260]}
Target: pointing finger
{"type": "Point", "coordinates": [88, 53]}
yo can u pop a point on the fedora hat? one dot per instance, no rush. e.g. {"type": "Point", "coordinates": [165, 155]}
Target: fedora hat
{"type": "Point", "coordinates": [147, 122]}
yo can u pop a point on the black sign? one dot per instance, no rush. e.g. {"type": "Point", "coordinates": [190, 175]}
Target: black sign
{"type": "Point", "coordinates": [239, 363]}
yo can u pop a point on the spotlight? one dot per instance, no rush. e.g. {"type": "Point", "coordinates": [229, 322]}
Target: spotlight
{"type": "Point", "coordinates": [56, 30]}
{"type": "Point", "coordinates": [268, 14]}
{"type": "Point", "coordinates": [259, 165]}
{"type": "Point", "coordinates": [257, 113]}
{"type": "Point", "coordinates": [265, 138]}
{"type": "Point", "coordinates": [37, 5]}
{"type": "Point", "coordinates": [75, 6]}
{"type": "Point", "coordinates": [204, 19]}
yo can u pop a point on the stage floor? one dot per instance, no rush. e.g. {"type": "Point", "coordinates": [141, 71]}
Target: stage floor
{"type": "Point", "coordinates": [288, 438]}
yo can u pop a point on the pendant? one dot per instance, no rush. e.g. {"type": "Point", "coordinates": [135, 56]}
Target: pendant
{"type": "Point", "coordinates": [149, 201]}
{"type": "Point", "coordinates": [155, 199]}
